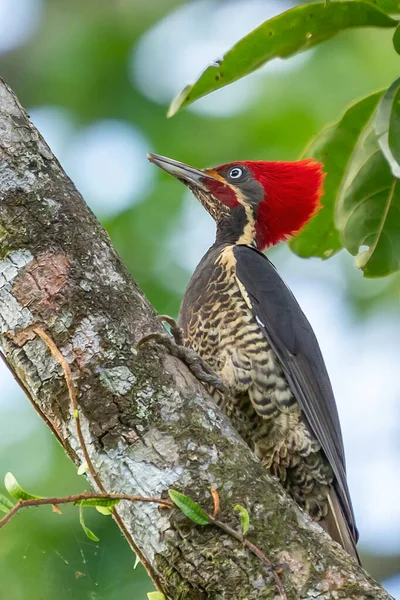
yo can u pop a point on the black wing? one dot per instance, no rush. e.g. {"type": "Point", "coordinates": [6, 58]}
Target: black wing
{"type": "Point", "coordinates": [291, 337]}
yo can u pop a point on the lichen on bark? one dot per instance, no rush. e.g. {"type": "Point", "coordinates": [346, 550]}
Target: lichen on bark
{"type": "Point", "coordinates": [147, 423]}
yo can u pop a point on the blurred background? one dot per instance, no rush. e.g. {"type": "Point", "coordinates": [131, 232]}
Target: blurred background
{"type": "Point", "coordinates": [96, 78]}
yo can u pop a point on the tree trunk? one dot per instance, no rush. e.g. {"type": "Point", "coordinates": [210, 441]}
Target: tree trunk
{"type": "Point", "coordinates": [147, 423]}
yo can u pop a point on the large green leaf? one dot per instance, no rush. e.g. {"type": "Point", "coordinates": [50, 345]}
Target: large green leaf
{"type": "Point", "coordinates": [390, 6]}
{"type": "Point", "coordinates": [334, 147]}
{"type": "Point", "coordinates": [396, 39]}
{"type": "Point", "coordinates": [295, 30]}
{"type": "Point", "coordinates": [368, 209]}
{"type": "Point", "coordinates": [387, 126]}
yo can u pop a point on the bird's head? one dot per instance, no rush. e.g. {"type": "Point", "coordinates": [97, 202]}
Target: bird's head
{"type": "Point", "coordinates": [254, 202]}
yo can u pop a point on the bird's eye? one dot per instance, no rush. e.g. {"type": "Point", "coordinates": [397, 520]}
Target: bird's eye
{"type": "Point", "coordinates": [235, 173]}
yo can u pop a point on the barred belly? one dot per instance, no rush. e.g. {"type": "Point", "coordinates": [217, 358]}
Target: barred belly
{"type": "Point", "coordinates": [222, 329]}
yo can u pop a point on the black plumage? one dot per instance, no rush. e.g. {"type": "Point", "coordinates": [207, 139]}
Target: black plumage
{"type": "Point", "coordinates": [291, 337]}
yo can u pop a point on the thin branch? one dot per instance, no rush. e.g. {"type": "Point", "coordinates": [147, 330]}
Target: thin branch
{"type": "Point", "coordinates": [76, 498]}
{"type": "Point", "coordinates": [75, 410]}
{"type": "Point", "coordinates": [73, 499]}
{"type": "Point", "coordinates": [72, 395]}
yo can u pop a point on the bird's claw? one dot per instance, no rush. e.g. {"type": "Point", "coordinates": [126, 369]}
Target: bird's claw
{"type": "Point", "coordinates": [158, 338]}
{"type": "Point", "coordinates": [174, 328]}
{"type": "Point", "coordinates": [164, 338]}
{"type": "Point", "coordinates": [197, 365]}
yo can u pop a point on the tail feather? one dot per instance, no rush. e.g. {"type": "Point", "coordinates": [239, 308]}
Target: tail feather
{"type": "Point", "coordinates": [335, 523]}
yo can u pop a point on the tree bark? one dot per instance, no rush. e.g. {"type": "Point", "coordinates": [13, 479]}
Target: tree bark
{"type": "Point", "coordinates": [147, 423]}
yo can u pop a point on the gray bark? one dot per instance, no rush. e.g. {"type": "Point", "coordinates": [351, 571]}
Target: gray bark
{"type": "Point", "coordinates": [148, 424]}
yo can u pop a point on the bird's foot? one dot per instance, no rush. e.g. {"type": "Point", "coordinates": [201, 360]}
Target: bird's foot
{"type": "Point", "coordinates": [174, 344]}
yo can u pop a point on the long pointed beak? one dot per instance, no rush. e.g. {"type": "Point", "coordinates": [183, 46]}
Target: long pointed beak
{"type": "Point", "coordinates": [181, 171]}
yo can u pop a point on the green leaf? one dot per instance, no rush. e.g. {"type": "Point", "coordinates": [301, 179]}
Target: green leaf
{"type": "Point", "coordinates": [103, 505]}
{"type": "Point", "coordinates": [334, 147]}
{"type": "Point", "coordinates": [105, 502]}
{"type": "Point", "coordinates": [5, 504]}
{"type": "Point", "coordinates": [244, 518]}
{"type": "Point", "coordinates": [87, 531]}
{"type": "Point", "coordinates": [295, 30]}
{"type": "Point", "coordinates": [190, 509]}
{"type": "Point", "coordinates": [83, 468]}
{"type": "Point", "coordinates": [389, 6]}
{"type": "Point", "coordinates": [103, 510]}
{"type": "Point", "coordinates": [387, 126]}
{"type": "Point", "coordinates": [368, 209]}
{"type": "Point", "coordinates": [396, 39]}
{"type": "Point", "coordinates": [15, 490]}
{"type": "Point", "coordinates": [156, 596]}
{"type": "Point", "coordinates": [137, 561]}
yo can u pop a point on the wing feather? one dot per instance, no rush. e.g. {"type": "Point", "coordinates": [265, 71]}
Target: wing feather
{"type": "Point", "coordinates": [291, 336]}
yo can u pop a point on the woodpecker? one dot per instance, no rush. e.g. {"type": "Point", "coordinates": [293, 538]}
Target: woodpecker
{"type": "Point", "coordinates": [240, 317]}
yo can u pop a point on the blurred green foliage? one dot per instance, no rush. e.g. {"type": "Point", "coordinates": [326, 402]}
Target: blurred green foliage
{"type": "Point", "coordinates": [360, 182]}
{"type": "Point", "coordinates": [79, 59]}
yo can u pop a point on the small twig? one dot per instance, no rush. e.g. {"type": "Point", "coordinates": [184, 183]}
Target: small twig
{"type": "Point", "coordinates": [264, 559]}
{"type": "Point", "coordinates": [75, 408]}
{"type": "Point", "coordinates": [164, 502]}
{"type": "Point", "coordinates": [56, 500]}
{"type": "Point", "coordinates": [71, 391]}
